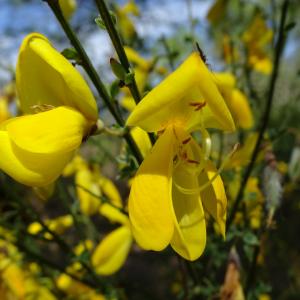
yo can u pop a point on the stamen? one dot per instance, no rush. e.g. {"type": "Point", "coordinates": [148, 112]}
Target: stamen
{"type": "Point", "coordinates": [193, 161]}
{"type": "Point", "coordinates": [197, 190]}
{"type": "Point", "coordinates": [206, 143]}
{"type": "Point", "coordinates": [184, 142]}
{"type": "Point", "coordinates": [160, 132]}
{"type": "Point", "coordinates": [41, 108]}
{"type": "Point", "coordinates": [197, 105]}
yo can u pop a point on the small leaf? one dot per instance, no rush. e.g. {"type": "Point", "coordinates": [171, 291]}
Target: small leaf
{"type": "Point", "coordinates": [250, 239]}
{"type": "Point", "coordinates": [70, 53]}
{"type": "Point", "coordinates": [129, 77]}
{"type": "Point", "coordinates": [100, 23]}
{"type": "Point", "coordinates": [118, 69]}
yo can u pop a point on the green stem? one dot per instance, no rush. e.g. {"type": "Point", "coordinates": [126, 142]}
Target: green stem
{"type": "Point", "coordinates": [118, 45]}
{"type": "Point", "coordinates": [90, 70]}
{"type": "Point", "coordinates": [265, 117]}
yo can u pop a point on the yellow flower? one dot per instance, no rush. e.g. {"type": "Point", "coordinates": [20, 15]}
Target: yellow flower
{"type": "Point", "coordinates": [111, 253]}
{"type": "Point", "coordinates": [235, 100]}
{"type": "Point", "coordinates": [4, 111]}
{"type": "Point", "coordinates": [68, 7]}
{"type": "Point", "coordinates": [58, 225]}
{"type": "Point", "coordinates": [256, 38]}
{"type": "Point", "coordinates": [77, 289]}
{"type": "Point", "coordinates": [125, 23]}
{"type": "Point", "coordinates": [91, 185]}
{"type": "Point", "coordinates": [36, 147]}
{"type": "Point", "coordinates": [165, 202]}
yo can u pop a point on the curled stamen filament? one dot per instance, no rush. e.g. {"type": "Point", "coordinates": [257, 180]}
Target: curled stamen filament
{"type": "Point", "coordinates": [192, 191]}
{"type": "Point", "coordinates": [206, 141]}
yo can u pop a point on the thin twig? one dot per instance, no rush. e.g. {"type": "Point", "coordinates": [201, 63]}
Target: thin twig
{"type": "Point", "coordinates": [118, 45]}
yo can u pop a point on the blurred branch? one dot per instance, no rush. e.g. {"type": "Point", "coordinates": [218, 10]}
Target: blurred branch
{"type": "Point", "coordinates": [89, 68]}
{"type": "Point", "coordinates": [169, 53]}
{"type": "Point", "coordinates": [265, 117]}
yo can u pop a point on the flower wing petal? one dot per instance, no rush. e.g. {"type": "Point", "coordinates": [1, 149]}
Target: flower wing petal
{"type": "Point", "coordinates": [214, 197]}
{"type": "Point", "coordinates": [189, 237]}
{"type": "Point", "coordinates": [29, 168]}
{"type": "Point", "coordinates": [150, 196]}
{"type": "Point", "coordinates": [59, 130]}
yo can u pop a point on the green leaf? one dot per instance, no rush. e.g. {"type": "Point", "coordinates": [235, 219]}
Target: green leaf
{"type": "Point", "coordinates": [70, 53]}
{"type": "Point", "coordinates": [100, 23]}
{"type": "Point", "coordinates": [250, 239]}
{"type": "Point", "coordinates": [129, 77]}
{"type": "Point", "coordinates": [118, 69]}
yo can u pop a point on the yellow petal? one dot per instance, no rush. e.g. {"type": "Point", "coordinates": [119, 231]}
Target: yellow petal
{"type": "Point", "coordinates": [131, 7]}
{"type": "Point", "coordinates": [59, 130]}
{"type": "Point", "coordinates": [60, 224]}
{"type": "Point", "coordinates": [76, 164]}
{"type": "Point", "coordinates": [4, 111]}
{"type": "Point", "coordinates": [189, 237]}
{"type": "Point", "coordinates": [135, 58]}
{"type": "Point", "coordinates": [240, 109]}
{"type": "Point", "coordinates": [109, 189]}
{"type": "Point", "coordinates": [113, 214]}
{"type": "Point", "coordinates": [44, 76]}
{"type": "Point", "coordinates": [30, 168]}
{"type": "Point", "coordinates": [226, 83]}
{"type": "Point", "coordinates": [88, 191]}
{"type": "Point", "coordinates": [68, 7]}
{"type": "Point", "coordinates": [171, 100]}
{"type": "Point", "coordinates": [34, 228]}
{"type": "Point", "coordinates": [14, 278]}
{"type": "Point", "coordinates": [111, 253]}
{"type": "Point", "coordinates": [128, 103]}
{"type": "Point", "coordinates": [142, 140]}
{"type": "Point", "coordinates": [213, 197]}
{"type": "Point", "coordinates": [150, 196]}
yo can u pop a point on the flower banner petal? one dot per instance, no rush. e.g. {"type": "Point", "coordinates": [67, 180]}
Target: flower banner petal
{"type": "Point", "coordinates": [174, 97]}
{"type": "Point", "coordinates": [44, 76]}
